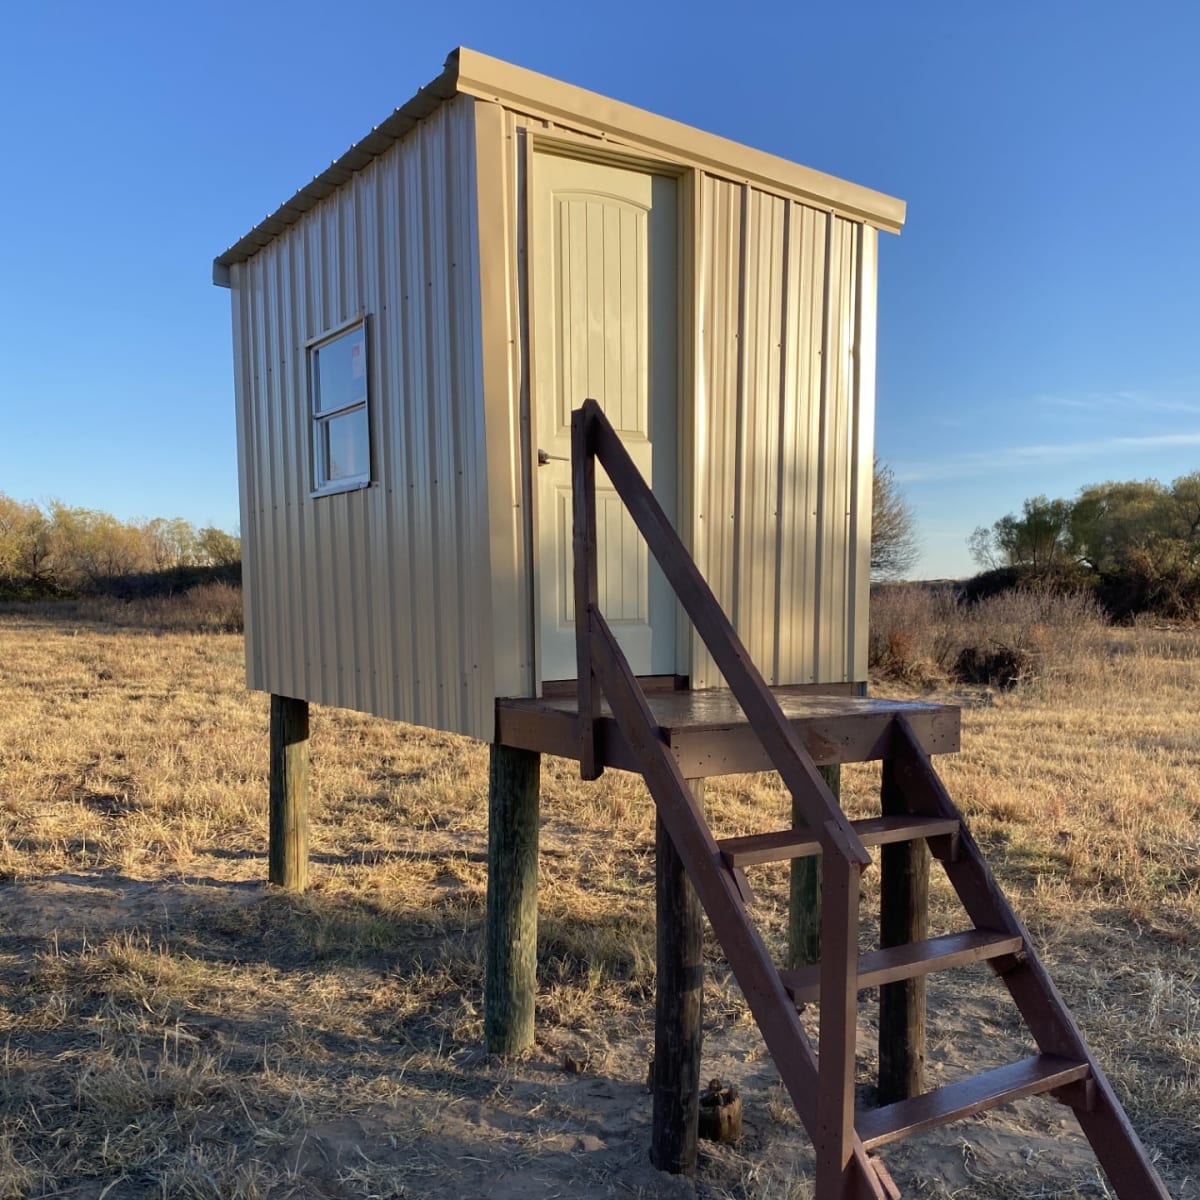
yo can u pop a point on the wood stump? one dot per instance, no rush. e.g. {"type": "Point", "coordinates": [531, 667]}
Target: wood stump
{"type": "Point", "coordinates": [720, 1113]}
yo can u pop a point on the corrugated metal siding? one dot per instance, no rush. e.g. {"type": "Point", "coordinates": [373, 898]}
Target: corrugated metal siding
{"type": "Point", "coordinates": [784, 431]}
{"type": "Point", "coordinates": [372, 599]}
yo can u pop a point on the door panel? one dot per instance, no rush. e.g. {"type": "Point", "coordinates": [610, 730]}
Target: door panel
{"type": "Point", "coordinates": [605, 326]}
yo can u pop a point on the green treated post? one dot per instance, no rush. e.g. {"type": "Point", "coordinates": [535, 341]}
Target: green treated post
{"type": "Point", "coordinates": [510, 975]}
{"type": "Point", "coordinates": [903, 918]}
{"type": "Point", "coordinates": [804, 908]}
{"type": "Point", "coordinates": [287, 846]}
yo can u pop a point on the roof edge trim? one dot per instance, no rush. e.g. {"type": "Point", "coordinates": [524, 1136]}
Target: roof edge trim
{"type": "Point", "coordinates": [488, 78]}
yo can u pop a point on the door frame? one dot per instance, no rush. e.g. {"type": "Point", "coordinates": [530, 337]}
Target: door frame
{"type": "Point", "coordinates": [687, 222]}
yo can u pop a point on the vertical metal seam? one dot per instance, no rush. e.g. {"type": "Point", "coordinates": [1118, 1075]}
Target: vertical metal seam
{"type": "Point", "coordinates": [853, 515]}
{"type": "Point", "coordinates": [518, 160]}
{"type": "Point", "coordinates": [739, 414]}
{"type": "Point", "coordinates": [701, 435]}
{"type": "Point", "coordinates": [822, 444]}
{"type": "Point", "coordinates": [781, 435]}
{"type": "Point", "coordinates": [289, 419]}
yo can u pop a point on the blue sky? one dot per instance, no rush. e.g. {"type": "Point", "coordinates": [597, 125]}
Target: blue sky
{"type": "Point", "coordinates": [1039, 316]}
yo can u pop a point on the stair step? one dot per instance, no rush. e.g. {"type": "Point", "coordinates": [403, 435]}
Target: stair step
{"type": "Point", "coordinates": [908, 961]}
{"type": "Point", "coordinates": [799, 843]}
{"type": "Point", "coordinates": [1029, 1077]}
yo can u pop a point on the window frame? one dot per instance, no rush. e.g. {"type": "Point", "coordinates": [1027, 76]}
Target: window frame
{"type": "Point", "coordinates": [318, 420]}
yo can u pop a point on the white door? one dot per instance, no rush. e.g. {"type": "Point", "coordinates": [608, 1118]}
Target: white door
{"type": "Point", "coordinates": [605, 306]}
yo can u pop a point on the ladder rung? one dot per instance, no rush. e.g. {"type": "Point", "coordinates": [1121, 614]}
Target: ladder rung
{"type": "Point", "coordinates": [1029, 1077]}
{"type": "Point", "coordinates": [799, 843]}
{"type": "Point", "coordinates": [908, 961]}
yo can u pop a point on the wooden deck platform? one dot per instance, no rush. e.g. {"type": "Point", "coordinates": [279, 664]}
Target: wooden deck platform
{"type": "Point", "coordinates": [709, 734]}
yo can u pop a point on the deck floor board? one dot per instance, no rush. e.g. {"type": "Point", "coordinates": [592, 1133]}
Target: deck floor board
{"type": "Point", "coordinates": [710, 735]}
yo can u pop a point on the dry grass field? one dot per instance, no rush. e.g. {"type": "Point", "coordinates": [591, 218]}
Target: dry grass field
{"type": "Point", "coordinates": [169, 1027]}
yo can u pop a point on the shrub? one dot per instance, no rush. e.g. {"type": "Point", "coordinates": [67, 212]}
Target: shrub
{"type": "Point", "coordinates": [1159, 578]}
{"type": "Point", "coordinates": [209, 608]}
{"type": "Point", "coordinates": [908, 635]}
{"type": "Point", "coordinates": [996, 666]}
{"type": "Point", "coordinates": [923, 635]}
{"type": "Point", "coordinates": [1041, 631]}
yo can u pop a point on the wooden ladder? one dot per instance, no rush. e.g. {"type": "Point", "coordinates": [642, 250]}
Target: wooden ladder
{"type": "Point", "coordinates": [821, 1084]}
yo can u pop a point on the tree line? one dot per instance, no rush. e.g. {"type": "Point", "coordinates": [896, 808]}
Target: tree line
{"type": "Point", "coordinates": [61, 550]}
{"type": "Point", "coordinates": [1135, 543]}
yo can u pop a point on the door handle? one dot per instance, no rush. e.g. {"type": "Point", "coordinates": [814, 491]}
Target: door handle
{"type": "Point", "coordinates": [544, 458]}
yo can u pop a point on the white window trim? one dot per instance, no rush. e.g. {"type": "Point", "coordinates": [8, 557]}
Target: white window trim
{"type": "Point", "coordinates": [333, 487]}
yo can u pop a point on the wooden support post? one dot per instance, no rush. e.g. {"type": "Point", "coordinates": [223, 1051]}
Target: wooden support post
{"type": "Point", "coordinates": [677, 1010]}
{"type": "Point", "coordinates": [510, 974]}
{"type": "Point", "coordinates": [287, 845]}
{"type": "Point", "coordinates": [903, 918]}
{"type": "Point", "coordinates": [833, 1141]}
{"type": "Point", "coordinates": [804, 910]}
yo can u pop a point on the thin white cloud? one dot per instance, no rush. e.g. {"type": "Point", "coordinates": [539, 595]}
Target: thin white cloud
{"type": "Point", "coordinates": [1042, 454]}
{"type": "Point", "coordinates": [1119, 401]}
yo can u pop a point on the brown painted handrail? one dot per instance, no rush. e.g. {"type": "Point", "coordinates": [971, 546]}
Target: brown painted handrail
{"type": "Point", "coordinates": [592, 438]}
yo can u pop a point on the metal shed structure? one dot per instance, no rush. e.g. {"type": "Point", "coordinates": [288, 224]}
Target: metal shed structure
{"type": "Point", "coordinates": [412, 330]}
{"type": "Point", "coordinates": [535, 387]}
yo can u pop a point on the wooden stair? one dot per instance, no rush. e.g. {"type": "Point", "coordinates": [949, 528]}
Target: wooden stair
{"type": "Point", "coordinates": [907, 962]}
{"type": "Point", "coordinates": [1030, 1077]}
{"type": "Point", "coordinates": [822, 1084]}
{"type": "Point", "coordinates": [799, 843]}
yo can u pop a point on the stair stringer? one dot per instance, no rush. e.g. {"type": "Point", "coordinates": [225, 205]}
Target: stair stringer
{"type": "Point", "coordinates": [1104, 1121]}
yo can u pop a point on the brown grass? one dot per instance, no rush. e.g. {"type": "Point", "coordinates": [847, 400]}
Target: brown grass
{"type": "Point", "coordinates": [203, 608]}
{"type": "Point", "coordinates": [170, 1027]}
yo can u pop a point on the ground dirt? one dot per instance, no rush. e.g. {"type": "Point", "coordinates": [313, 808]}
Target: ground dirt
{"type": "Point", "coordinates": [169, 1026]}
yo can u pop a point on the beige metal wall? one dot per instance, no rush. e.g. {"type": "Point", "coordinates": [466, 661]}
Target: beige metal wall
{"type": "Point", "coordinates": [779, 446]}
{"type": "Point", "coordinates": [413, 599]}
{"type": "Point", "coordinates": [376, 599]}
{"type": "Point", "coordinates": [784, 430]}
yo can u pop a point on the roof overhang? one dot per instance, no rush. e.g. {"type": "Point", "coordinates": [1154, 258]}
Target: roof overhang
{"type": "Point", "coordinates": [467, 72]}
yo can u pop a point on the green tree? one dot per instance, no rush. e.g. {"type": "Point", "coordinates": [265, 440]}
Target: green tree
{"type": "Point", "coordinates": [90, 546]}
{"type": "Point", "coordinates": [1185, 511]}
{"type": "Point", "coordinates": [1137, 541]}
{"type": "Point", "coordinates": [170, 542]}
{"type": "Point", "coordinates": [216, 548]}
{"type": "Point", "coordinates": [24, 542]}
{"type": "Point", "coordinates": [1110, 519]}
{"type": "Point", "coordinates": [1040, 539]}
{"type": "Point", "coordinates": [894, 547]}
